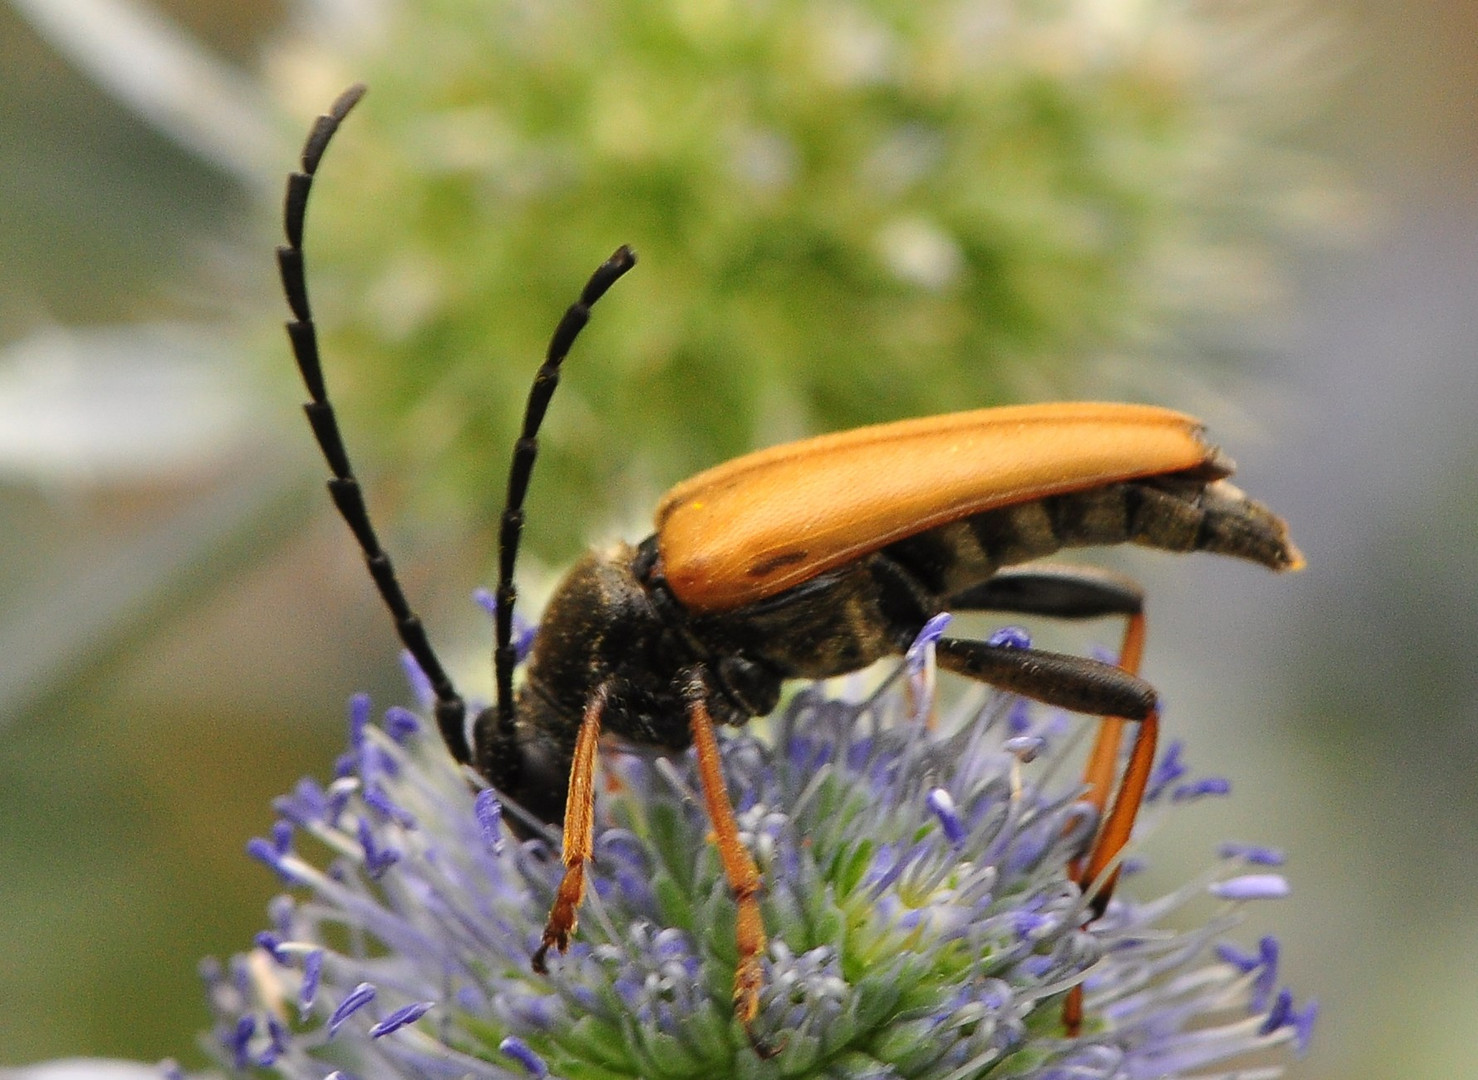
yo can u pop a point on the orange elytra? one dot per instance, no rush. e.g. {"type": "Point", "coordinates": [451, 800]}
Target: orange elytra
{"type": "Point", "coordinates": [756, 525]}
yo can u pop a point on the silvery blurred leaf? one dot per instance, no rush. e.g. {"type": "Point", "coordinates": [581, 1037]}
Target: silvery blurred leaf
{"type": "Point", "coordinates": [119, 404]}
{"type": "Point", "coordinates": [84, 1069]}
{"type": "Point", "coordinates": [164, 75]}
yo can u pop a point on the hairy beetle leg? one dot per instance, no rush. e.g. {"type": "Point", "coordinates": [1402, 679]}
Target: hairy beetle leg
{"type": "Point", "coordinates": [1098, 775]}
{"type": "Point", "coordinates": [1098, 778]}
{"type": "Point", "coordinates": [739, 869]}
{"type": "Point", "coordinates": [1072, 592]}
{"type": "Point", "coordinates": [1111, 840]}
{"type": "Point", "coordinates": [579, 828]}
{"type": "Point", "coordinates": [1079, 592]}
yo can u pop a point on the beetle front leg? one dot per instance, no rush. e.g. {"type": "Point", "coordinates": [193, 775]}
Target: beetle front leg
{"type": "Point", "coordinates": [579, 828]}
{"type": "Point", "coordinates": [739, 869]}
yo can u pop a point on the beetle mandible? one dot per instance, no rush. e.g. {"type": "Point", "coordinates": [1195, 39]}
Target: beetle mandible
{"type": "Point", "coordinates": [810, 560]}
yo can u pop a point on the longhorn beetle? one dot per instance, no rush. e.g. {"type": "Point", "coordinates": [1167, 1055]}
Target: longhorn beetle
{"type": "Point", "coordinates": [806, 561]}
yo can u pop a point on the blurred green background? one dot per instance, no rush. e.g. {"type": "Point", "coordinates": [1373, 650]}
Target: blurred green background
{"type": "Point", "coordinates": [182, 619]}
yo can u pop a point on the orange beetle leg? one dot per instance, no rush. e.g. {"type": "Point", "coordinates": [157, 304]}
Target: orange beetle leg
{"type": "Point", "coordinates": [739, 868]}
{"type": "Point", "coordinates": [1098, 775]}
{"type": "Point", "coordinates": [579, 827]}
{"type": "Point", "coordinates": [1098, 778]}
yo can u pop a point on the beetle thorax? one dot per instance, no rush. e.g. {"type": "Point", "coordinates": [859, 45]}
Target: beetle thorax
{"type": "Point", "coordinates": [601, 627]}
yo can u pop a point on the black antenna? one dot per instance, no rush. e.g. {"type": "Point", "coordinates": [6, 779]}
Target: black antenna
{"type": "Point", "coordinates": [450, 709]}
{"type": "Point", "coordinates": [525, 450]}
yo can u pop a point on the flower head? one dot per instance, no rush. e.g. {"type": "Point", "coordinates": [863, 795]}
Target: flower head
{"type": "Point", "coordinates": [922, 920]}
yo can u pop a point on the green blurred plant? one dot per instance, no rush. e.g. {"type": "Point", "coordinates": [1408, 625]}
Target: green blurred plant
{"type": "Point", "coordinates": [846, 212]}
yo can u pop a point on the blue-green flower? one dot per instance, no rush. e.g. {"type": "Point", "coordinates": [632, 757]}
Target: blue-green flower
{"type": "Point", "coordinates": [923, 922]}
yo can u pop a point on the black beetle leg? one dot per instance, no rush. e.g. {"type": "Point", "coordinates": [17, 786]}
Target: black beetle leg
{"type": "Point", "coordinates": [1086, 686]}
{"type": "Point", "coordinates": [1061, 679]}
{"type": "Point", "coordinates": [1073, 592]}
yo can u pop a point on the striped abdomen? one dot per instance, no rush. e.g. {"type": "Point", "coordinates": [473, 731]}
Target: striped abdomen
{"type": "Point", "coordinates": [1173, 513]}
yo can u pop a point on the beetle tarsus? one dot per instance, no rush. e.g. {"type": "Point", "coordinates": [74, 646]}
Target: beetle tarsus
{"type": "Point", "coordinates": [1072, 1012]}
{"type": "Point", "coordinates": [563, 918]}
{"type": "Point", "coordinates": [762, 1047]}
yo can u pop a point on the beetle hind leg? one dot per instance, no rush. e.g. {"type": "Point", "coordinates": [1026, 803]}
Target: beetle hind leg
{"type": "Point", "coordinates": [1061, 679]}
{"type": "Point", "coordinates": [1073, 592]}
{"type": "Point", "coordinates": [1086, 686]}
{"type": "Point", "coordinates": [1079, 593]}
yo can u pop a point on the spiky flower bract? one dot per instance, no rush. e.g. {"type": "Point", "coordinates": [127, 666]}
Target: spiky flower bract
{"type": "Point", "coordinates": [847, 210]}
{"type": "Point", "coordinates": [923, 922]}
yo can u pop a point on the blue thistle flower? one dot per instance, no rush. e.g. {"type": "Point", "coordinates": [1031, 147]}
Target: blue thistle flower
{"type": "Point", "coordinates": [922, 920]}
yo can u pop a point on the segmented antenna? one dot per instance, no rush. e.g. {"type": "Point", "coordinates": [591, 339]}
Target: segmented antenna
{"type": "Point", "coordinates": [525, 450]}
{"type": "Point", "coordinates": [343, 487]}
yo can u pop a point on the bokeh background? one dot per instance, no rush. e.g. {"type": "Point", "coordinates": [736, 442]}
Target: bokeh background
{"type": "Point", "coordinates": [182, 619]}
